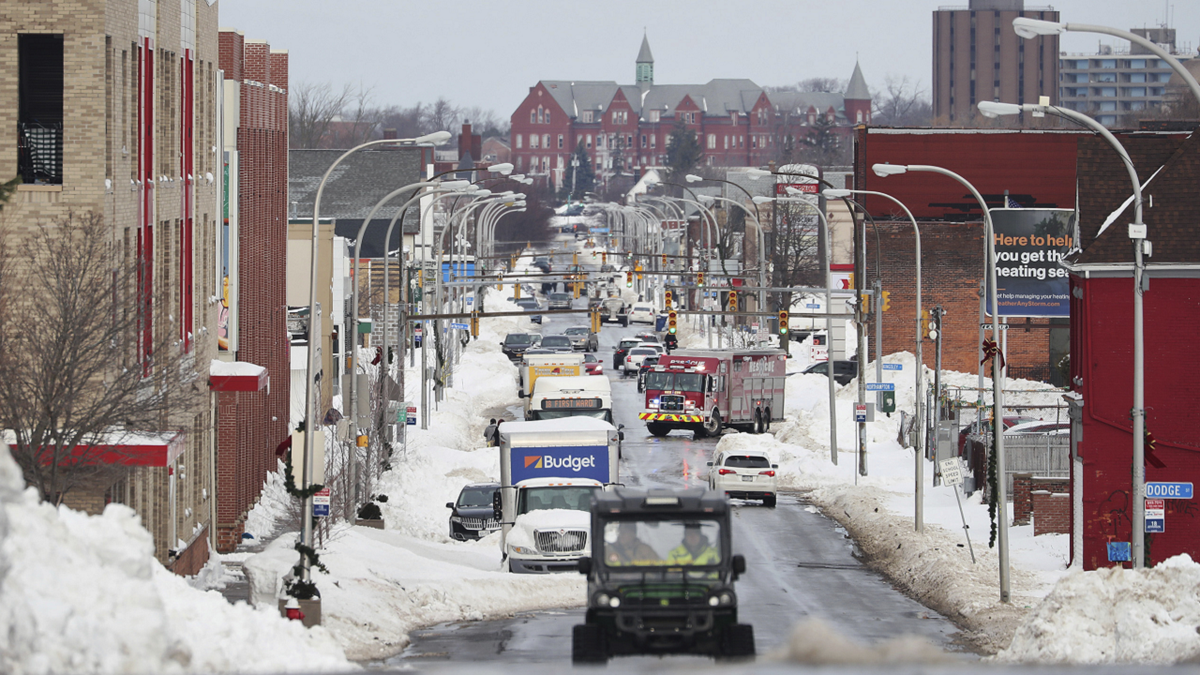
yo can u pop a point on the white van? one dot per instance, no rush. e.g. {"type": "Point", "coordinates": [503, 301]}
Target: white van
{"type": "Point", "coordinates": [570, 396]}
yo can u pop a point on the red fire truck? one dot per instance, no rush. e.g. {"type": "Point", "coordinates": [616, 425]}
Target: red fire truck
{"type": "Point", "coordinates": [706, 389]}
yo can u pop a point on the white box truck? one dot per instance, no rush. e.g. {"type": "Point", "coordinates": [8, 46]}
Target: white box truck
{"type": "Point", "coordinates": [549, 470]}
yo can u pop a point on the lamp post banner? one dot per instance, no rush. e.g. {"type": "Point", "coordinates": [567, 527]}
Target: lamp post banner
{"type": "Point", "coordinates": [1030, 243]}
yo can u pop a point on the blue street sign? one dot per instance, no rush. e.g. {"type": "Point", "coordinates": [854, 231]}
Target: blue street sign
{"type": "Point", "coordinates": [1119, 551]}
{"type": "Point", "coordinates": [1168, 490]}
{"type": "Point", "coordinates": [412, 420]}
{"type": "Point", "coordinates": [600, 230]}
{"type": "Point", "coordinates": [460, 326]}
{"type": "Point", "coordinates": [893, 366]}
{"type": "Point", "coordinates": [1154, 525]}
{"type": "Point", "coordinates": [860, 412]}
{"type": "Point", "coordinates": [320, 510]}
{"type": "Point", "coordinates": [881, 386]}
{"type": "Point", "coordinates": [812, 306]}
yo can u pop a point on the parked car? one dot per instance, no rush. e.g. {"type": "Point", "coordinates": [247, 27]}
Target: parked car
{"type": "Point", "coordinates": [530, 305]}
{"type": "Point", "coordinates": [647, 364]}
{"type": "Point", "coordinates": [843, 371]}
{"type": "Point", "coordinates": [516, 344]}
{"type": "Point", "coordinates": [582, 338]}
{"type": "Point", "coordinates": [471, 515]}
{"type": "Point", "coordinates": [620, 350]}
{"type": "Point", "coordinates": [634, 358]}
{"type": "Point", "coordinates": [561, 343]}
{"type": "Point", "coordinates": [641, 312]}
{"type": "Point", "coordinates": [560, 301]}
{"type": "Point", "coordinates": [744, 474]}
{"type": "Point", "coordinates": [592, 364]}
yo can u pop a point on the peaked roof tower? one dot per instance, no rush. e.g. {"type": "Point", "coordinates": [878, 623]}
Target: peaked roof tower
{"type": "Point", "coordinates": [645, 65]}
{"type": "Point", "coordinates": [857, 88]}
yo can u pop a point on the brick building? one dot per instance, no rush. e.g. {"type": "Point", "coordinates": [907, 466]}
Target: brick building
{"type": "Point", "coordinates": [625, 128]}
{"type": "Point", "coordinates": [252, 412]}
{"type": "Point", "coordinates": [1035, 169]}
{"type": "Point", "coordinates": [1168, 165]}
{"type": "Point", "coordinates": [977, 56]}
{"type": "Point", "coordinates": [109, 108]}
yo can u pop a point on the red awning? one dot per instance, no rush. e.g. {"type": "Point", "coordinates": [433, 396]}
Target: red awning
{"type": "Point", "coordinates": [129, 449]}
{"type": "Point", "coordinates": [237, 376]}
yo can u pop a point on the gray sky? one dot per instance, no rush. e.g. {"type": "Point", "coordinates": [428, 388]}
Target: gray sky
{"type": "Point", "coordinates": [488, 54]}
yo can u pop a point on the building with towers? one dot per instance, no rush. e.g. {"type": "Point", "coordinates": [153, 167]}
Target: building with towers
{"type": "Point", "coordinates": [624, 128]}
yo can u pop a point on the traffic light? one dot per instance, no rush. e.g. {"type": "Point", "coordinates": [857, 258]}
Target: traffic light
{"type": "Point", "coordinates": [517, 291]}
{"type": "Point", "coordinates": [575, 289]}
{"type": "Point", "coordinates": [664, 260]}
{"type": "Point", "coordinates": [593, 254]}
{"type": "Point", "coordinates": [700, 279]}
{"type": "Point", "coordinates": [474, 324]}
{"type": "Point", "coordinates": [667, 297]}
{"type": "Point", "coordinates": [604, 257]}
{"type": "Point", "coordinates": [595, 317]}
{"type": "Point", "coordinates": [924, 322]}
{"type": "Point", "coordinates": [783, 322]}
{"type": "Point", "coordinates": [629, 279]}
{"type": "Point", "coordinates": [866, 303]}
{"type": "Point", "coordinates": [638, 269]}
{"type": "Point", "coordinates": [733, 306]}
{"type": "Point", "coordinates": [671, 325]}
{"type": "Point", "coordinates": [886, 303]}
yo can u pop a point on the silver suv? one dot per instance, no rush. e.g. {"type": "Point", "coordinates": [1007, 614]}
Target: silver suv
{"type": "Point", "coordinates": [560, 301]}
{"type": "Point", "coordinates": [582, 338]}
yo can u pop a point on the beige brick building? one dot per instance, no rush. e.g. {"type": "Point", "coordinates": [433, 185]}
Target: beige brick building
{"type": "Point", "coordinates": [111, 107]}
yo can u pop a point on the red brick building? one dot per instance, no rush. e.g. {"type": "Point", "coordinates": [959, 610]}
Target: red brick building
{"type": "Point", "coordinates": [1032, 167]}
{"type": "Point", "coordinates": [253, 410]}
{"type": "Point", "coordinates": [1168, 166]}
{"type": "Point", "coordinates": [625, 128]}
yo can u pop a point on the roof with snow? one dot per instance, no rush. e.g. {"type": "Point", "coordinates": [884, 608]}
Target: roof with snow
{"type": "Point", "coordinates": [718, 97]}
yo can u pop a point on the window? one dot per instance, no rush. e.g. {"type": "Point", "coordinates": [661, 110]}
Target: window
{"type": "Point", "coordinates": [533, 140]}
{"type": "Point", "coordinates": [547, 117]}
{"type": "Point", "coordinates": [519, 137]}
{"type": "Point", "coordinates": [741, 141]}
{"type": "Point", "coordinates": [589, 140]}
{"type": "Point", "coordinates": [587, 116]}
{"type": "Point", "coordinates": [1108, 63]}
{"type": "Point", "coordinates": [560, 141]}
{"type": "Point", "coordinates": [1137, 63]}
{"type": "Point", "coordinates": [643, 140]}
{"type": "Point", "coordinates": [620, 116]}
{"type": "Point", "coordinates": [545, 164]}
{"type": "Point", "coordinates": [1137, 77]}
{"type": "Point", "coordinates": [40, 108]}
{"type": "Point", "coordinates": [1106, 91]}
{"type": "Point", "coordinates": [858, 118]}
{"type": "Point", "coordinates": [629, 140]}
{"type": "Point", "coordinates": [652, 139]}
{"type": "Point", "coordinates": [540, 118]}
{"type": "Point", "coordinates": [654, 115]}
{"type": "Point", "coordinates": [712, 141]}
{"type": "Point", "coordinates": [733, 117]}
{"type": "Point", "coordinates": [533, 117]}
{"type": "Point", "coordinates": [1137, 91]}
{"type": "Point", "coordinates": [545, 140]}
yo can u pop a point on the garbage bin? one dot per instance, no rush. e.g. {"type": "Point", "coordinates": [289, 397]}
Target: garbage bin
{"type": "Point", "coordinates": [660, 323]}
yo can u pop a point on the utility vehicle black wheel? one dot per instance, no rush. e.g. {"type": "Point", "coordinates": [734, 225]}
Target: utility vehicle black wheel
{"type": "Point", "coordinates": [587, 644]}
{"type": "Point", "coordinates": [738, 642]}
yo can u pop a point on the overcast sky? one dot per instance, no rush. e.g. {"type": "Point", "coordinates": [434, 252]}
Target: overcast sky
{"type": "Point", "coordinates": [488, 54]}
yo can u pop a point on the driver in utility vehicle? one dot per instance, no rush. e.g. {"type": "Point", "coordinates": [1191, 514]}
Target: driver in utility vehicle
{"type": "Point", "coordinates": [629, 550]}
{"type": "Point", "coordinates": [694, 550]}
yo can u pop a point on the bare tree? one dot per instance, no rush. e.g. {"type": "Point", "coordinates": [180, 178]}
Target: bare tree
{"type": "Point", "coordinates": [313, 109]}
{"type": "Point", "coordinates": [407, 122]}
{"type": "Point", "coordinates": [441, 116]}
{"type": "Point", "coordinates": [358, 120]}
{"type": "Point", "coordinates": [76, 371]}
{"type": "Point", "coordinates": [902, 104]}
{"type": "Point", "coordinates": [485, 122]}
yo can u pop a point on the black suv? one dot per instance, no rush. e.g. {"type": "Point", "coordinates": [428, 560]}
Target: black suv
{"type": "Point", "coordinates": [660, 577]}
{"type": "Point", "coordinates": [560, 343]}
{"type": "Point", "coordinates": [843, 371]}
{"type": "Point", "coordinates": [471, 515]}
{"type": "Point", "coordinates": [621, 350]}
{"type": "Point", "coordinates": [515, 344]}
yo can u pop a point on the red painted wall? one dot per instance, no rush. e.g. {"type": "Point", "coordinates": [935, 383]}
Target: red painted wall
{"type": "Point", "coordinates": [1102, 359]}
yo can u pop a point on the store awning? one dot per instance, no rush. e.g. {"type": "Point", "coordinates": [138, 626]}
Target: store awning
{"type": "Point", "coordinates": [237, 376]}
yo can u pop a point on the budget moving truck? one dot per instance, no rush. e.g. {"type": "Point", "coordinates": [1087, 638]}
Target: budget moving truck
{"type": "Point", "coordinates": [549, 471]}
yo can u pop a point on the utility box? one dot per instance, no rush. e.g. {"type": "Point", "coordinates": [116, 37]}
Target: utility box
{"type": "Point", "coordinates": [887, 401]}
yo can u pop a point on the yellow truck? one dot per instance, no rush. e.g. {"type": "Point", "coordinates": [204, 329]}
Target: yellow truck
{"type": "Point", "coordinates": [536, 365]}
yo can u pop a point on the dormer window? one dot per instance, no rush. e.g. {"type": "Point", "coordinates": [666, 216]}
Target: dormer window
{"type": "Point", "coordinates": [654, 115]}
{"type": "Point", "coordinates": [587, 116]}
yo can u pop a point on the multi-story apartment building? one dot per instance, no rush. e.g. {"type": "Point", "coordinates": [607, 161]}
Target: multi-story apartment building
{"type": "Point", "coordinates": [1113, 83]}
{"type": "Point", "coordinates": [109, 108]}
{"type": "Point", "coordinates": [121, 109]}
{"type": "Point", "coordinates": [978, 57]}
{"type": "Point", "coordinates": [625, 128]}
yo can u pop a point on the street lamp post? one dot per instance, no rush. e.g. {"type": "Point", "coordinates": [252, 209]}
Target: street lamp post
{"type": "Point", "coordinates": [885, 170]}
{"type": "Point", "coordinates": [1137, 232]}
{"type": "Point", "coordinates": [919, 449]}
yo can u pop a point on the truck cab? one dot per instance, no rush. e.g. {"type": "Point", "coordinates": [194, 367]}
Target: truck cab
{"type": "Point", "coordinates": [660, 577]}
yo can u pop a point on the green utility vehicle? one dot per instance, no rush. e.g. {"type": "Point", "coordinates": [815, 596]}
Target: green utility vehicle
{"type": "Point", "coordinates": [660, 577]}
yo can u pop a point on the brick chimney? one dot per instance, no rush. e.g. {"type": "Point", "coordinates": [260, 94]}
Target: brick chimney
{"type": "Point", "coordinates": [389, 133]}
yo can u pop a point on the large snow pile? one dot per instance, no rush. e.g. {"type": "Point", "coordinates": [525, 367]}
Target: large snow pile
{"type": "Point", "coordinates": [1116, 615]}
{"type": "Point", "coordinates": [84, 594]}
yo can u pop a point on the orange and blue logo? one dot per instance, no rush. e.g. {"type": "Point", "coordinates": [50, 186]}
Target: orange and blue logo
{"type": "Point", "coordinates": [533, 460]}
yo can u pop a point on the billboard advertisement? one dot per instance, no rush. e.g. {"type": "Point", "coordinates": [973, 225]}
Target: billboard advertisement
{"type": "Point", "coordinates": [1030, 243]}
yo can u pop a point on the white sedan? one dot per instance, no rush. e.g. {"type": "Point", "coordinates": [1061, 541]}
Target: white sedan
{"type": "Point", "coordinates": [641, 312]}
{"type": "Point", "coordinates": [744, 474]}
{"type": "Point", "coordinates": [634, 358]}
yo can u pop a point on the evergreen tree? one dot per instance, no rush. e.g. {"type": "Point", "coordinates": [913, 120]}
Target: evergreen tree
{"type": "Point", "coordinates": [683, 152]}
{"type": "Point", "coordinates": [584, 175]}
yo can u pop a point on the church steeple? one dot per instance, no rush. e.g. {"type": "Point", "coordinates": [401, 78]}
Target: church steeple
{"type": "Point", "coordinates": [645, 65]}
